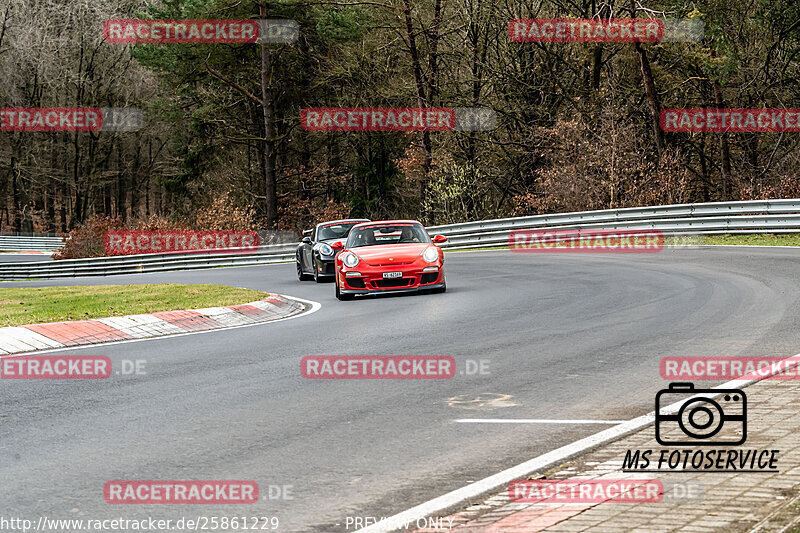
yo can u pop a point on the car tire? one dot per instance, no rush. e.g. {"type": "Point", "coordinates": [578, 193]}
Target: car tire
{"type": "Point", "coordinates": [342, 297]}
{"type": "Point", "coordinates": [300, 274]}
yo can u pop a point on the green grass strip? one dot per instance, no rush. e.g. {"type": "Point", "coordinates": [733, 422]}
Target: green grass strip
{"type": "Point", "coordinates": [36, 305]}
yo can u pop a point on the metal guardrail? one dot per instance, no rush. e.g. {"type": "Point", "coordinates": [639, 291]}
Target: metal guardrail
{"type": "Point", "coordinates": [693, 226]}
{"type": "Point", "coordinates": [132, 264]}
{"type": "Point", "coordinates": [630, 214]}
{"type": "Point", "coordinates": [757, 216]}
{"type": "Point", "coordinates": [27, 234]}
{"type": "Point", "coordinates": [31, 244]}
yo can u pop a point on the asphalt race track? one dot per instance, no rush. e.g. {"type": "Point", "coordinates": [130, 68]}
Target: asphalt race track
{"type": "Point", "coordinates": [567, 336]}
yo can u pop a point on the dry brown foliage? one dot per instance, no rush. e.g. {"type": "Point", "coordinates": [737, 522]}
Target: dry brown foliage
{"type": "Point", "coordinates": [223, 214]}
{"type": "Point", "coordinates": [299, 214]}
{"type": "Point", "coordinates": [787, 187]}
{"type": "Point", "coordinates": [603, 167]}
{"type": "Point", "coordinates": [313, 199]}
{"type": "Point", "coordinates": [87, 240]}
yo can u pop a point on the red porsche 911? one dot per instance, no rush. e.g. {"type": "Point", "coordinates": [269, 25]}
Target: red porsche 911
{"type": "Point", "coordinates": [389, 256]}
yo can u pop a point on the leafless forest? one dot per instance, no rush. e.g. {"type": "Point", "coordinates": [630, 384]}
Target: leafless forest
{"type": "Point", "coordinates": [577, 123]}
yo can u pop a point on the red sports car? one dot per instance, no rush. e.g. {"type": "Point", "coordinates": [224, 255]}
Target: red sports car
{"type": "Point", "coordinates": [389, 256]}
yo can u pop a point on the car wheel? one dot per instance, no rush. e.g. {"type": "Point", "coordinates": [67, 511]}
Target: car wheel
{"type": "Point", "coordinates": [300, 275]}
{"type": "Point", "coordinates": [340, 296]}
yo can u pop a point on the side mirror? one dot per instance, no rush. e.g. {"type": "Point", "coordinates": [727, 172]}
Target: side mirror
{"type": "Point", "coordinates": [337, 246]}
{"type": "Point", "coordinates": [438, 239]}
{"type": "Point", "coordinates": [306, 240]}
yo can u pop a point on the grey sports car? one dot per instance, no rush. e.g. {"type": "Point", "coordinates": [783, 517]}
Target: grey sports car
{"type": "Point", "coordinates": [315, 254]}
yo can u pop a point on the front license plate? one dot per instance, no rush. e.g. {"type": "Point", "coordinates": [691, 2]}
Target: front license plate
{"type": "Point", "coordinates": [390, 275]}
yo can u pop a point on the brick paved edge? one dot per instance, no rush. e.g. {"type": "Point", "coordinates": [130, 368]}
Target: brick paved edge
{"type": "Point", "coordinates": [465, 505]}
{"type": "Point", "coordinates": [729, 502]}
{"type": "Point", "coordinates": [34, 337]}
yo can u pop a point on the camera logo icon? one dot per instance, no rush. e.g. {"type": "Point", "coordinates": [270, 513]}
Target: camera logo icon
{"type": "Point", "coordinates": [701, 419]}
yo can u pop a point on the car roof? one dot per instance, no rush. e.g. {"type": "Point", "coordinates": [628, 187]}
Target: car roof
{"type": "Point", "coordinates": [376, 222]}
{"type": "Point", "coordinates": [342, 221]}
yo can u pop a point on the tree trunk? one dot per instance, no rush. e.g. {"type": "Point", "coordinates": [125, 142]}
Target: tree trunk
{"type": "Point", "coordinates": [270, 181]}
{"type": "Point", "coordinates": [725, 153]}
{"type": "Point", "coordinates": [122, 190]}
{"type": "Point", "coordinates": [597, 62]}
{"type": "Point", "coordinates": [147, 178]}
{"type": "Point", "coordinates": [422, 101]}
{"type": "Point", "coordinates": [64, 205]}
{"type": "Point", "coordinates": [597, 56]}
{"type": "Point", "coordinates": [16, 194]}
{"type": "Point", "coordinates": [650, 90]}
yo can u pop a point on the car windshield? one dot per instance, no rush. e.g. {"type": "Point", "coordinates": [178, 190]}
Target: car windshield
{"type": "Point", "coordinates": [387, 234]}
{"type": "Point", "coordinates": [335, 231]}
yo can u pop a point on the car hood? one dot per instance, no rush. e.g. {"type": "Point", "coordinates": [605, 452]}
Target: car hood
{"type": "Point", "coordinates": [390, 254]}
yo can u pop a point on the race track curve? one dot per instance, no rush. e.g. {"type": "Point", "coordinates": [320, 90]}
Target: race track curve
{"type": "Point", "coordinates": [566, 337]}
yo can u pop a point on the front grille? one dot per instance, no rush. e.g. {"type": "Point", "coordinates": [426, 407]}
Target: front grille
{"type": "Point", "coordinates": [328, 268]}
{"type": "Point", "coordinates": [429, 277]}
{"type": "Point", "coordinates": [356, 283]}
{"type": "Point", "coordinates": [392, 263]}
{"type": "Point", "coordinates": [388, 283]}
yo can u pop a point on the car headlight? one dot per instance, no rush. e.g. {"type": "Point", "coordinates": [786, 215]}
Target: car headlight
{"type": "Point", "coordinates": [350, 260]}
{"type": "Point", "coordinates": [431, 254]}
{"type": "Point", "coordinates": [324, 249]}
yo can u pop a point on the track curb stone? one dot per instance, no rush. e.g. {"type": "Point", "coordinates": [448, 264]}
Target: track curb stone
{"type": "Point", "coordinates": [35, 337]}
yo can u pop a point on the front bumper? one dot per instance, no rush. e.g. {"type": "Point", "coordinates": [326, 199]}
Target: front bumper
{"type": "Point", "coordinates": [325, 268]}
{"type": "Point", "coordinates": [371, 281]}
{"type": "Point", "coordinates": [393, 290]}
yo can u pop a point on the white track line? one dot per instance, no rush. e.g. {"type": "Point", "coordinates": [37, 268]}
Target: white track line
{"type": "Point", "coordinates": [457, 497]}
{"type": "Point", "coordinates": [532, 421]}
{"type": "Point", "coordinates": [315, 306]}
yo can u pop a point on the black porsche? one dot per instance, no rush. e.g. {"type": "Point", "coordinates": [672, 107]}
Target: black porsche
{"type": "Point", "coordinates": [315, 254]}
